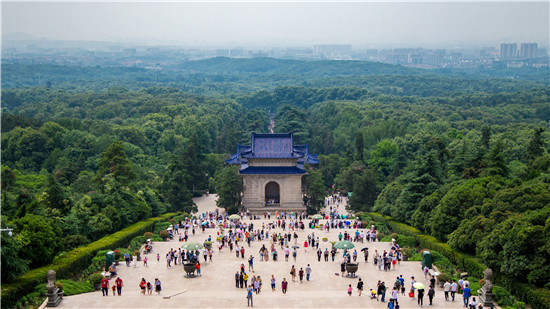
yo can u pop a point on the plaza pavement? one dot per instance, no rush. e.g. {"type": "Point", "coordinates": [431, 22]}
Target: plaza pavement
{"type": "Point", "coordinates": [216, 287]}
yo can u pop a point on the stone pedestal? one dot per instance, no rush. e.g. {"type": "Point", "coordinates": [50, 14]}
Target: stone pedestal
{"type": "Point", "coordinates": [54, 298]}
{"type": "Point", "coordinates": [485, 298]}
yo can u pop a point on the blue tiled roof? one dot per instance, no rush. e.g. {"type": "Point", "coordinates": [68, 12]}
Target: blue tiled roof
{"type": "Point", "coordinates": [281, 170]}
{"type": "Point", "coordinates": [272, 146]}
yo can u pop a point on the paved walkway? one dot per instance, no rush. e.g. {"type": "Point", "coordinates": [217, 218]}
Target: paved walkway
{"type": "Point", "coordinates": [216, 288]}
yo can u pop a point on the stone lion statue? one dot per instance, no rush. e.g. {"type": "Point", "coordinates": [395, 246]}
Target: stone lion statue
{"type": "Point", "coordinates": [51, 287]}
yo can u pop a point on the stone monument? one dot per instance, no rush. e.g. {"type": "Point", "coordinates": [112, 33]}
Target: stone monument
{"type": "Point", "coordinates": [272, 167]}
{"type": "Point", "coordinates": [486, 292]}
{"type": "Point", "coordinates": [54, 296]}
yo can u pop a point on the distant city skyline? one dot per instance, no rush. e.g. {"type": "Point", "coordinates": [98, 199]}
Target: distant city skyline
{"type": "Point", "coordinates": [269, 24]}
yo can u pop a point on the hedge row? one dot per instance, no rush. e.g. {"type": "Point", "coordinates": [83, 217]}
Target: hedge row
{"type": "Point", "coordinates": [538, 298]}
{"type": "Point", "coordinates": [463, 261]}
{"type": "Point", "coordinates": [73, 262]}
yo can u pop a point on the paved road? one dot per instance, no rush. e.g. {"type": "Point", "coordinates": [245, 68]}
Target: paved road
{"type": "Point", "coordinates": [216, 287]}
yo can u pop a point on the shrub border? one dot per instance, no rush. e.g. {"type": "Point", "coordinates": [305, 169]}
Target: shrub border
{"type": "Point", "coordinates": [73, 262]}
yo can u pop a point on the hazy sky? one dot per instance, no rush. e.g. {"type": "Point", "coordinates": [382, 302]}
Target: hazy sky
{"type": "Point", "coordinates": [363, 24]}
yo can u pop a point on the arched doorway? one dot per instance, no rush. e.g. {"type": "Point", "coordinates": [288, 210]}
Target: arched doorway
{"type": "Point", "coordinates": [272, 195]}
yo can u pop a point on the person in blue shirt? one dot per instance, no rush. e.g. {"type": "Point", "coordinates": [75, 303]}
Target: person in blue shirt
{"type": "Point", "coordinates": [249, 296]}
{"type": "Point", "coordinates": [466, 295]}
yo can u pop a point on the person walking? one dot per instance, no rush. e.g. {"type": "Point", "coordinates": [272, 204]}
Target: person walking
{"type": "Point", "coordinates": [272, 283]}
{"type": "Point", "coordinates": [294, 254]}
{"type": "Point", "coordinates": [251, 263]}
{"type": "Point", "coordinates": [454, 287]}
{"type": "Point", "coordinates": [360, 286]}
{"type": "Point", "coordinates": [308, 272]}
{"type": "Point", "coordinates": [158, 288]}
{"type": "Point", "coordinates": [301, 274]}
{"type": "Point", "coordinates": [420, 297]}
{"type": "Point", "coordinates": [350, 290]}
{"type": "Point", "coordinates": [293, 273]}
{"type": "Point", "coordinates": [119, 284]}
{"type": "Point", "coordinates": [382, 292]}
{"type": "Point", "coordinates": [198, 267]}
{"type": "Point", "coordinates": [237, 276]}
{"type": "Point", "coordinates": [466, 294]}
{"type": "Point", "coordinates": [245, 278]}
{"type": "Point", "coordinates": [319, 254]}
{"type": "Point", "coordinates": [326, 254]}
{"type": "Point", "coordinates": [431, 294]}
{"type": "Point", "coordinates": [105, 286]}
{"type": "Point", "coordinates": [249, 290]}
{"type": "Point", "coordinates": [143, 285]}
{"type": "Point", "coordinates": [447, 289]}
{"type": "Point", "coordinates": [284, 285]}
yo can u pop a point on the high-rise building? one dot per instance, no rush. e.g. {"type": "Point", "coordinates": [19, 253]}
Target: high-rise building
{"type": "Point", "coordinates": [508, 50]}
{"type": "Point", "coordinates": [332, 49]}
{"type": "Point", "coordinates": [528, 50]}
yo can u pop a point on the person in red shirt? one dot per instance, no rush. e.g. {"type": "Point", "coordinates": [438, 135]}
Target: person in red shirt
{"type": "Point", "coordinates": [119, 284]}
{"type": "Point", "coordinates": [105, 286]}
{"type": "Point", "coordinates": [143, 285]}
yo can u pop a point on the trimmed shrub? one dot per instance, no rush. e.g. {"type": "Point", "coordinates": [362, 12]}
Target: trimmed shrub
{"type": "Point", "coordinates": [379, 236]}
{"type": "Point", "coordinates": [442, 277]}
{"type": "Point", "coordinates": [394, 236]}
{"type": "Point", "coordinates": [406, 241]}
{"type": "Point", "coordinates": [148, 235]}
{"type": "Point", "coordinates": [73, 262]}
{"type": "Point", "coordinates": [117, 254]}
{"type": "Point", "coordinates": [164, 235]}
{"type": "Point", "coordinates": [95, 278]}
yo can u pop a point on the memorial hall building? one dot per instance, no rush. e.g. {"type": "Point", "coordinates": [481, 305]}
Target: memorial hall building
{"type": "Point", "coordinates": [272, 168]}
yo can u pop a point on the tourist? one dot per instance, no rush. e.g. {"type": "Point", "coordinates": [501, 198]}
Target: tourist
{"type": "Point", "coordinates": [366, 254]}
{"type": "Point", "coordinates": [308, 272]}
{"type": "Point", "coordinates": [105, 286]}
{"type": "Point", "coordinates": [134, 260]}
{"type": "Point", "coordinates": [394, 294]}
{"type": "Point", "coordinates": [127, 258]}
{"type": "Point", "coordinates": [454, 287]}
{"type": "Point", "coordinates": [251, 263]}
{"type": "Point", "coordinates": [326, 254]}
{"type": "Point", "coordinates": [210, 255]}
{"type": "Point", "coordinates": [284, 285]}
{"type": "Point", "coordinates": [294, 254]}
{"type": "Point", "coordinates": [245, 278]}
{"type": "Point", "coordinates": [145, 261]}
{"type": "Point", "coordinates": [249, 296]}
{"type": "Point", "coordinates": [237, 276]}
{"type": "Point", "coordinates": [360, 286]}
{"type": "Point", "coordinates": [426, 270]}
{"type": "Point", "coordinates": [402, 280]}
{"type": "Point", "coordinates": [143, 285]}
{"type": "Point", "coordinates": [241, 279]}
{"type": "Point", "coordinates": [319, 253]}
{"type": "Point", "coordinates": [257, 284]}
{"type": "Point", "coordinates": [373, 294]}
{"type": "Point", "coordinates": [473, 303]}
{"type": "Point", "coordinates": [301, 274]}
{"type": "Point", "coordinates": [431, 294]}
{"type": "Point", "coordinates": [287, 252]}
{"type": "Point", "coordinates": [293, 273]}
{"type": "Point", "coordinates": [198, 268]}
{"type": "Point", "coordinates": [272, 283]}
{"type": "Point", "coordinates": [382, 291]}
{"type": "Point", "coordinates": [350, 289]}
{"type": "Point", "coordinates": [119, 284]}
{"type": "Point", "coordinates": [158, 287]}
{"type": "Point", "coordinates": [466, 295]}
{"type": "Point", "coordinates": [149, 288]}
{"type": "Point", "coordinates": [420, 297]}
{"type": "Point", "coordinates": [447, 289]}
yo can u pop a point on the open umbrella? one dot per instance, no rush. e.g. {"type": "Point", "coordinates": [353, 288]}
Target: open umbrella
{"type": "Point", "coordinates": [419, 285]}
{"type": "Point", "coordinates": [364, 249]}
{"type": "Point", "coordinates": [234, 217]}
{"type": "Point", "coordinates": [204, 223]}
{"type": "Point", "coordinates": [317, 217]}
{"type": "Point", "coordinates": [295, 247]}
{"type": "Point", "coordinates": [347, 222]}
{"type": "Point", "coordinates": [344, 244]}
{"type": "Point", "coordinates": [192, 246]}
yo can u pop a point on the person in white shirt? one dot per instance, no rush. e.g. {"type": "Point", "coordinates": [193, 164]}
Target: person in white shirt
{"type": "Point", "coordinates": [454, 287]}
{"type": "Point", "coordinates": [461, 285]}
{"type": "Point", "coordinates": [447, 289]}
{"type": "Point", "coordinates": [473, 303]}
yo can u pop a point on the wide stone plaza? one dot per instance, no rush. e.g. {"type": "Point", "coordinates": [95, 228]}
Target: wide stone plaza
{"type": "Point", "coordinates": [216, 287]}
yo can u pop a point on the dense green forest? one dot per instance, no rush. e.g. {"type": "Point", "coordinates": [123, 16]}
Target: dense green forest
{"type": "Point", "coordinates": [462, 156]}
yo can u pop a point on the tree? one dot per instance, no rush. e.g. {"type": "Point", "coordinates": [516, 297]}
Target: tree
{"type": "Point", "coordinates": [12, 264]}
{"type": "Point", "coordinates": [115, 162]}
{"type": "Point", "coordinates": [359, 145]}
{"type": "Point", "coordinates": [384, 158]}
{"type": "Point", "coordinates": [315, 190]}
{"type": "Point", "coordinates": [365, 191]}
{"type": "Point", "coordinates": [496, 161]}
{"type": "Point", "coordinates": [229, 187]}
{"type": "Point", "coordinates": [39, 238]}
{"type": "Point", "coordinates": [175, 186]}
